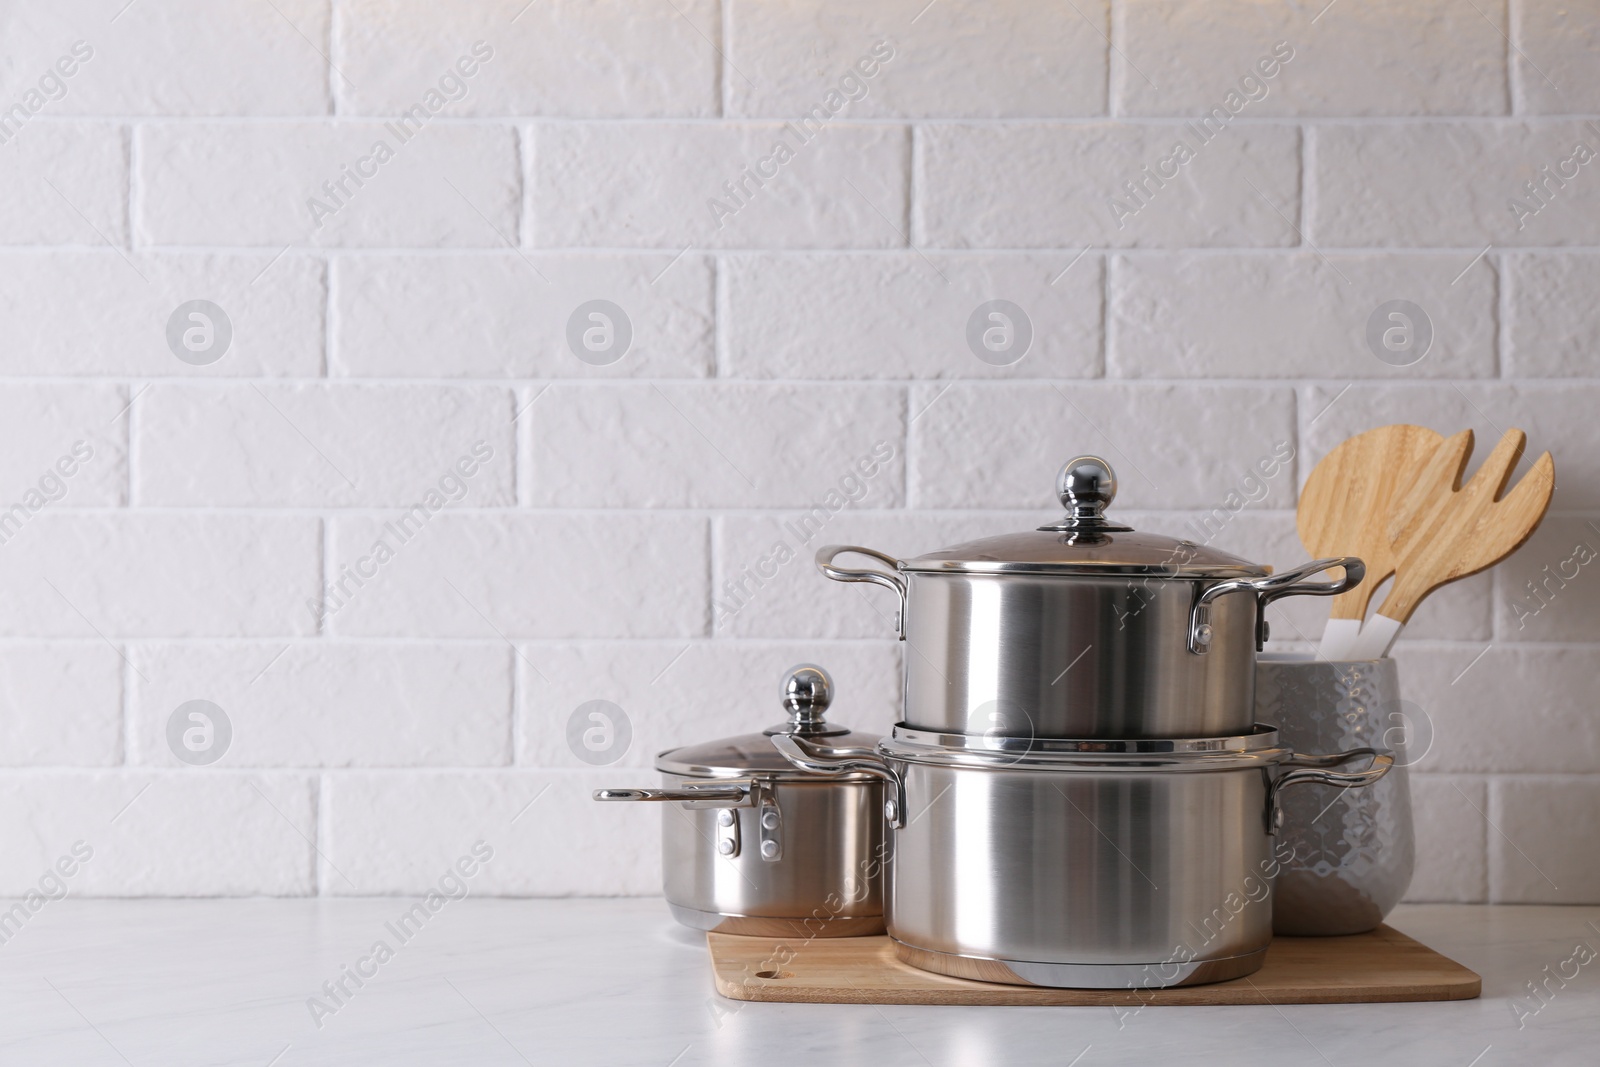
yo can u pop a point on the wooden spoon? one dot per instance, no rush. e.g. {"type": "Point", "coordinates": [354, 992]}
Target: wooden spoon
{"type": "Point", "coordinates": [1345, 509]}
{"type": "Point", "coordinates": [1441, 532]}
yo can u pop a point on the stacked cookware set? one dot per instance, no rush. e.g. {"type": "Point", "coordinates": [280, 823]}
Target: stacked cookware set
{"type": "Point", "coordinates": [1076, 795]}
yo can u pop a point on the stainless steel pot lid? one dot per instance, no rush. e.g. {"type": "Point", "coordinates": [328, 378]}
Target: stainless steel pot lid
{"type": "Point", "coordinates": [1085, 542]}
{"type": "Point", "coordinates": [807, 692]}
{"type": "Point", "coordinates": [1259, 748]}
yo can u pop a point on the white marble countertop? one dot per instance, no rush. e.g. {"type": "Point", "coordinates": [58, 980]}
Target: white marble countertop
{"type": "Point", "coordinates": [614, 982]}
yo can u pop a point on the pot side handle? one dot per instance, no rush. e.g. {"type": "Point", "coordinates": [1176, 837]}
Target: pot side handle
{"type": "Point", "coordinates": [891, 580]}
{"type": "Point", "coordinates": [1291, 582]}
{"type": "Point", "coordinates": [823, 761]}
{"type": "Point", "coordinates": [1319, 770]}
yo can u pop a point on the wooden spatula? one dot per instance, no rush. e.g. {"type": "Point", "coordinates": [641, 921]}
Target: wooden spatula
{"type": "Point", "coordinates": [1345, 509]}
{"type": "Point", "coordinates": [1440, 532]}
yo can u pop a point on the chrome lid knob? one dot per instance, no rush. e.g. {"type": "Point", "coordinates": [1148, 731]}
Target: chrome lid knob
{"type": "Point", "coordinates": [1086, 485]}
{"type": "Point", "coordinates": [807, 692]}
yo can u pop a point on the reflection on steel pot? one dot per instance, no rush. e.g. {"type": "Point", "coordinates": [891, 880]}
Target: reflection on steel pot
{"type": "Point", "coordinates": [1086, 863]}
{"type": "Point", "coordinates": [1353, 852]}
{"type": "Point", "coordinates": [1083, 628]}
{"type": "Point", "coordinates": [750, 845]}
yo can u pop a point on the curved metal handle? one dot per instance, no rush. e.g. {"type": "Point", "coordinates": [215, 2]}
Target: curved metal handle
{"type": "Point", "coordinates": [1291, 582]}
{"type": "Point", "coordinates": [1319, 770]}
{"type": "Point", "coordinates": [825, 557]}
{"type": "Point", "coordinates": [855, 751]}
{"type": "Point", "coordinates": [836, 763]}
{"type": "Point", "coordinates": [734, 794]}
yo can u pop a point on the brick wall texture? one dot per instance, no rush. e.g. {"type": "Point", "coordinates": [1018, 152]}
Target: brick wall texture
{"type": "Point", "coordinates": [402, 377]}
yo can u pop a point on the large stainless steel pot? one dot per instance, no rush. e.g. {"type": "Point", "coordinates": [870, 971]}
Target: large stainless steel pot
{"type": "Point", "coordinates": [1086, 863]}
{"type": "Point", "coordinates": [1083, 628]}
{"type": "Point", "coordinates": [751, 845]}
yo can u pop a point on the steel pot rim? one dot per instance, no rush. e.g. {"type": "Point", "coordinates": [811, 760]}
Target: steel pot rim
{"type": "Point", "coordinates": [889, 763]}
{"type": "Point", "coordinates": [1259, 748]}
{"type": "Point", "coordinates": [1170, 571]}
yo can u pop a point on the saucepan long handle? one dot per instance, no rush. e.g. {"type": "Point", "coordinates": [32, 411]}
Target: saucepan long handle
{"type": "Point", "coordinates": [722, 795]}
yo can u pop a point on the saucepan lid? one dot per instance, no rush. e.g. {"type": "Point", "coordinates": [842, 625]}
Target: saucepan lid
{"type": "Point", "coordinates": [806, 694]}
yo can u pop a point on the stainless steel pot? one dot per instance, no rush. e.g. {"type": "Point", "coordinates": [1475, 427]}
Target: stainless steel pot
{"type": "Point", "coordinates": [751, 845]}
{"type": "Point", "coordinates": [1083, 628]}
{"type": "Point", "coordinates": [1087, 863]}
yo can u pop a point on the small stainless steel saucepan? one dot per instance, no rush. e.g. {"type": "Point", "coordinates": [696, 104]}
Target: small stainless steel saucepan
{"type": "Point", "coordinates": [752, 845]}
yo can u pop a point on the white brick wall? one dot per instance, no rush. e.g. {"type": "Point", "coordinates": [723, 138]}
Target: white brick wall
{"type": "Point", "coordinates": [398, 680]}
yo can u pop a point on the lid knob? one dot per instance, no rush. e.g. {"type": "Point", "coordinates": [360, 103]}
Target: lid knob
{"type": "Point", "coordinates": [807, 692]}
{"type": "Point", "coordinates": [1085, 486]}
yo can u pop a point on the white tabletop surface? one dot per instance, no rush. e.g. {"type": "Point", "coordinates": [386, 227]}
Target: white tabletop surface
{"type": "Point", "coordinates": [614, 982]}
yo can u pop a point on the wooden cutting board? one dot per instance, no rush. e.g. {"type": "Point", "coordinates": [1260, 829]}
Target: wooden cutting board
{"type": "Point", "coordinates": [1383, 965]}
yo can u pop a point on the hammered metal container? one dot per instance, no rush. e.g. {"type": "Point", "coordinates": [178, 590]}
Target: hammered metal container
{"type": "Point", "coordinates": [1349, 852]}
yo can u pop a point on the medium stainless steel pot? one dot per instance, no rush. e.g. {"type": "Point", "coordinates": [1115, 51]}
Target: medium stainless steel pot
{"type": "Point", "coordinates": [1086, 863]}
{"type": "Point", "coordinates": [1083, 628]}
{"type": "Point", "coordinates": [751, 845]}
